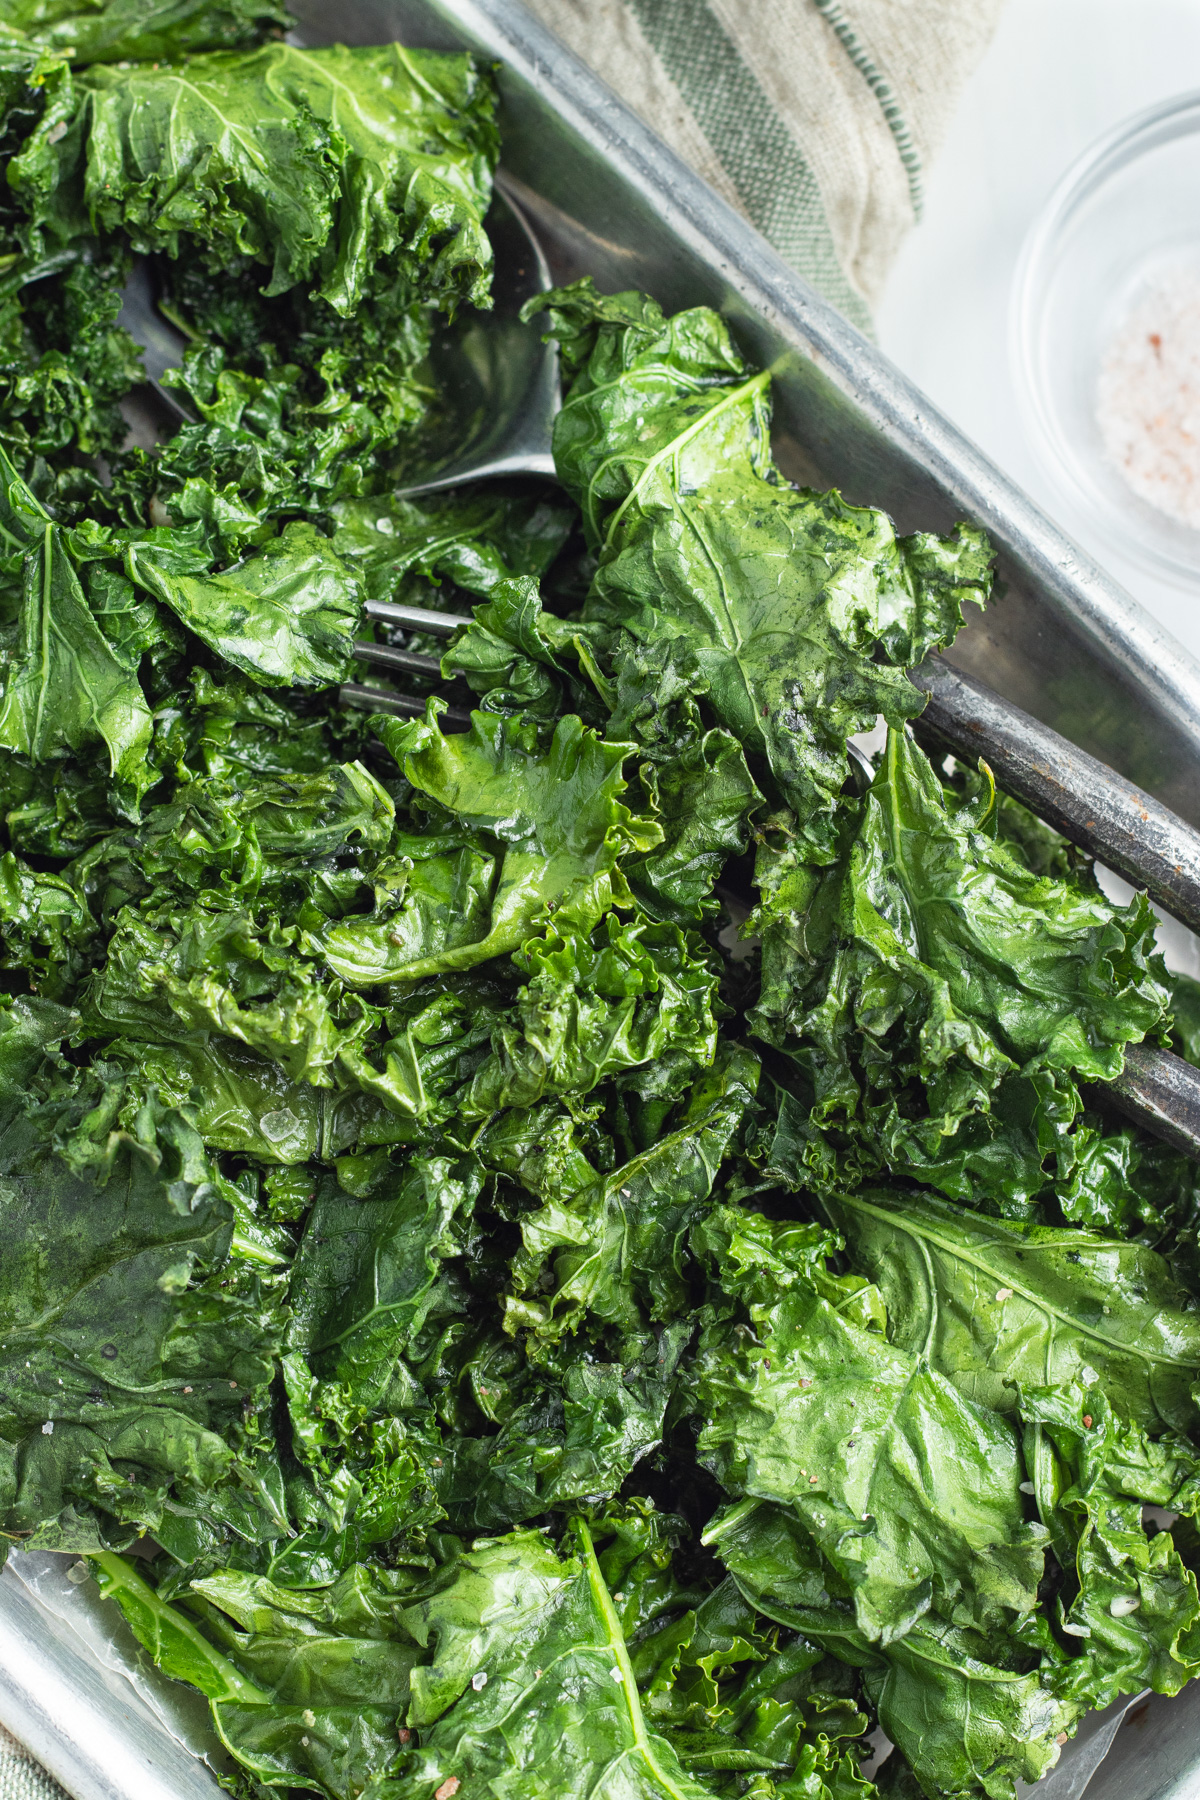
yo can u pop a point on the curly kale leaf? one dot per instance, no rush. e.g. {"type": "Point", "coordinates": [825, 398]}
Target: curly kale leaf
{"type": "Point", "coordinates": [791, 615]}
{"type": "Point", "coordinates": [940, 999]}
{"type": "Point", "coordinates": [472, 538]}
{"type": "Point", "coordinates": [631, 995]}
{"type": "Point", "coordinates": [323, 165]}
{"type": "Point", "coordinates": [814, 1412]}
{"type": "Point", "coordinates": [615, 1250]}
{"type": "Point", "coordinates": [968, 1712]}
{"type": "Point", "coordinates": [117, 29]}
{"type": "Point", "coordinates": [538, 831]}
{"type": "Point", "coordinates": [1131, 1605]}
{"type": "Point", "coordinates": [991, 1303]}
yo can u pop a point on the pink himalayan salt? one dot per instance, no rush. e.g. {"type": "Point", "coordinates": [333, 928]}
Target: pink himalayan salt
{"type": "Point", "coordinates": [1148, 399]}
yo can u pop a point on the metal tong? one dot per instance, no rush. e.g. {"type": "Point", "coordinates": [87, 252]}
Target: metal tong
{"type": "Point", "coordinates": [1119, 824]}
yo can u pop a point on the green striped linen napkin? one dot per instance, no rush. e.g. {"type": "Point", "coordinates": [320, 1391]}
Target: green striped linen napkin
{"type": "Point", "coordinates": [815, 118]}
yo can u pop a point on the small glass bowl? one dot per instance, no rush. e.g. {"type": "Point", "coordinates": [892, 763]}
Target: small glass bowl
{"type": "Point", "coordinates": [1125, 217]}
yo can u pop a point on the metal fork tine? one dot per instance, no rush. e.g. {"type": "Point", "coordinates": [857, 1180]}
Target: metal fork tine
{"type": "Point", "coordinates": [416, 618]}
{"type": "Point", "coordinates": [386, 657]}
{"type": "Point", "coordinates": [373, 699]}
{"type": "Point", "coordinates": [408, 662]}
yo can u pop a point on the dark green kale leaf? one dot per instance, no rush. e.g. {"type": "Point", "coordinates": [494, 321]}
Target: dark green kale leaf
{"type": "Point", "coordinates": [614, 1251]}
{"type": "Point", "coordinates": [133, 29]}
{"type": "Point", "coordinates": [968, 1712]}
{"type": "Point", "coordinates": [991, 1303]}
{"type": "Point", "coordinates": [136, 1355]}
{"type": "Point", "coordinates": [471, 538]}
{"type": "Point", "coordinates": [592, 1008]}
{"type": "Point", "coordinates": [697, 783]}
{"type": "Point", "coordinates": [853, 1434]}
{"type": "Point", "coordinates": [941, 1000]}
{"type": "Point", "coordinates": [536, 830]}
{"type": "Point", "coordinates": [1185, 1006]}
{"type": "Point", "coordinates": [790, 615]}
{"type": "Point", "coordinates": [368, 1269]}
{"type": "Point", "coordinates": [45, 927]}
{"type": "Point", "coordinates": [505, 656]}
{"type": "Point", "coordinates": [323, 165]}
{"type": "Point", "coordinates": [65, 686]}
{"type": "Point", "coordinates": [550, 1432]}
{"type": "Point", "coordinates": [528, 1669]}
{"type": "Point", "coordinates": [287, 617]}
{"type": "Point", "coordinates": [1131, 1606]}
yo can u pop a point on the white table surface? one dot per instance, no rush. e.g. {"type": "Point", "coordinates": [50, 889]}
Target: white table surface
{"type": "Point", "coordinates": [1058, 74]}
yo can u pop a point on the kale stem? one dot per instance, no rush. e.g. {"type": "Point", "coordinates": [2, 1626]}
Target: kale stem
{"type": "Point", "coordinates": [166, 1632]}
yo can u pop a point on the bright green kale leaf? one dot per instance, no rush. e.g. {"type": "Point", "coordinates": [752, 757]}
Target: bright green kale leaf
{"type": "Point", "coordinates": [65, 687]}
{"type": "Point", "coordinates": [791, 615]}
{"type": "Point", "coordinates": [306, 1688]}
{"type": "Point", "coordinates": [760, 1259]}
{"type": "Point", "coordinates": [216, 1008]}
{"type": "Point", "coordinates": [911, 1492]}
{"type": "Point", "coordinates": [528, 1670]}
{"type": "Point", "coordinates": [1134, 1612]}
{"type": "Point", "coordinates": [968, 1712]}
{"type": "Point", "coordinates": [116, 29]}
{"type": "Point", "coordinates": [287, 616]}
{"type": "Point", "coordinates": [540, 832]}
{"type": "Point", "coordinates": [727, 1687]}
{"type": "Point", "coordinates": [474, 539]}
{"type": "Point", "coordinates": [938, 997]}
{"type": "Point", "coordinates": [324, 165]}
{"type": "Point", "coordinates": [591, 1008]}
{"type": "Point", "coordinates": [991, 1303]}
{"type": "Point", "coordinates": [615, 1250]}
{"type": "Point", "coordinates": [173, 976]}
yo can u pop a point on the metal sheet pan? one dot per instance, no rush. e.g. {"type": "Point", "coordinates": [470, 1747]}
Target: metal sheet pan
{"type": "Point", "coordinates": [1062, 640]}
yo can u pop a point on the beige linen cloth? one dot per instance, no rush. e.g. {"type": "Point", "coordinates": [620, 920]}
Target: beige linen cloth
{"type": "Point", "coordinates": [816, 119]}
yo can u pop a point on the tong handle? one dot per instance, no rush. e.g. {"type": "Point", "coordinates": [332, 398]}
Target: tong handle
{"type": "Point", "coordinates": [1121, 825]}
